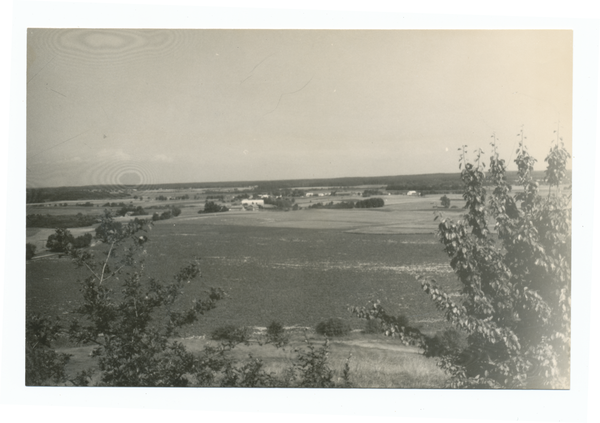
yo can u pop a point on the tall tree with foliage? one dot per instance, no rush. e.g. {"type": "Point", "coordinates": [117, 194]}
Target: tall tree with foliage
{"type": "Point", "coordinates": [515, 301]}
{"type": "Point", "coordinates": [516, 295]}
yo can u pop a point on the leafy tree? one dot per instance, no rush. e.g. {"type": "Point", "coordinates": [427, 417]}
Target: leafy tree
{"type": "Point", "coordinates": [515, 303]}
{"type": "Point", "coordinates": [445, 202]}
{"type": "Point", "coordinates": [60, 241]}
{"type": "Point", "coordinates": [132, 326]}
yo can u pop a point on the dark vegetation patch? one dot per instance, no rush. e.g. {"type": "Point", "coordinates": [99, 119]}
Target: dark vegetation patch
{"type": "Point", "coordinates": [333, 327]}
{"type": "Point", "coordinates": [360, 204]}
{"type": "Point", "coordinates": [41, 195]}
{"type": "Point", "coordinates": [61, 221]}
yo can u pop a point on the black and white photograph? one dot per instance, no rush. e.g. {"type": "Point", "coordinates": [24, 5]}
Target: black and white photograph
{"type": "Point", "coordinates": [311, 214]}
{"type": "Point", "coordinates": [299, 208]}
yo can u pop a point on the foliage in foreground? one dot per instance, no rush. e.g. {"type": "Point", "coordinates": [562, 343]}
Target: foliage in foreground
{"type": "Point", "coordinates": [515, 302]}
{"type": "Point", "coordinates": [132, 320]}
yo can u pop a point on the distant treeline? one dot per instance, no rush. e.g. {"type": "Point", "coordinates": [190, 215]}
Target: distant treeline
{"type": "Point", "coordinates": [60, 221]}
{"type": "Point", "coordinates": [361, 204]}
{"type": "Point", "coordinates": [43, 195]}
{"type": "Point", "coordinates": [435, 182]}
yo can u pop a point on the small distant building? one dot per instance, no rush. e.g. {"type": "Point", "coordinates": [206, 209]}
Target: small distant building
{"type": "Point", "coordinates": [412, 193]}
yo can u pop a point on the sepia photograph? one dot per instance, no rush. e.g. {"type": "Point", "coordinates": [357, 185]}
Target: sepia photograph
{"type": "Point", "coordinates": [299, 208]}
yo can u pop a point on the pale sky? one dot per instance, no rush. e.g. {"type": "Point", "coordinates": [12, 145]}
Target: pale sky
{"type": "Point", "coordinates": [160, 106]}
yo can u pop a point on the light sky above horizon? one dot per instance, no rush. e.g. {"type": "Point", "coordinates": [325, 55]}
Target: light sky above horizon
{"type": "Point", "coordinates": [162, 106]}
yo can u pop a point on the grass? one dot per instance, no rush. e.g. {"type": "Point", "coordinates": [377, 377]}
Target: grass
{"type": "Point", "coordinates": [375, 361]}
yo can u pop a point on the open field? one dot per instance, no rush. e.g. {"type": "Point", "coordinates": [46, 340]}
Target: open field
{"type": "Point", "coordinates": [299, 268]}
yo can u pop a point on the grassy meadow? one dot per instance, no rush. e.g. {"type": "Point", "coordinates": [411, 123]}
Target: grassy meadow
{"type": "Point", "coordinates": [299, 268]}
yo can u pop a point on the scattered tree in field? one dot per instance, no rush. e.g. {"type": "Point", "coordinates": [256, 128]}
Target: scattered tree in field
{"type": "Point", "coordinates": [59, 241]}
{"type": "Point", "coordinates": [445, 202]}
{"type": "Point", "coordinates": [212, 207]}
{"type": "Point", "coordinates": [62, 240]}
{"type": "Point", "coordinates": [515, 307]}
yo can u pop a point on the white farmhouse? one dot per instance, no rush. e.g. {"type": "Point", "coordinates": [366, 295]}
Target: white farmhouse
{"type": "Point", "coordinates": [412, 193]}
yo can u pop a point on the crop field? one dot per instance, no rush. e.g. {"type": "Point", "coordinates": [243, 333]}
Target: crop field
{"type": "Point", "coordinates": [296, 267]}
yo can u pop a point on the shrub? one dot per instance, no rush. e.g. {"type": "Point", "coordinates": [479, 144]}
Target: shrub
{"type": "Point", "coordinates": [231, 333]}
{"type": "Point", "coordinates": [30, 248]}
{"type": "Point", "coordinates": [176, 211]}
{"type": "Point", "coordinates": [445, 202]}
{"type": "Point", "coordinates": [276, 333]}
{"type": "Point", "coordinates": [333, 327]}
